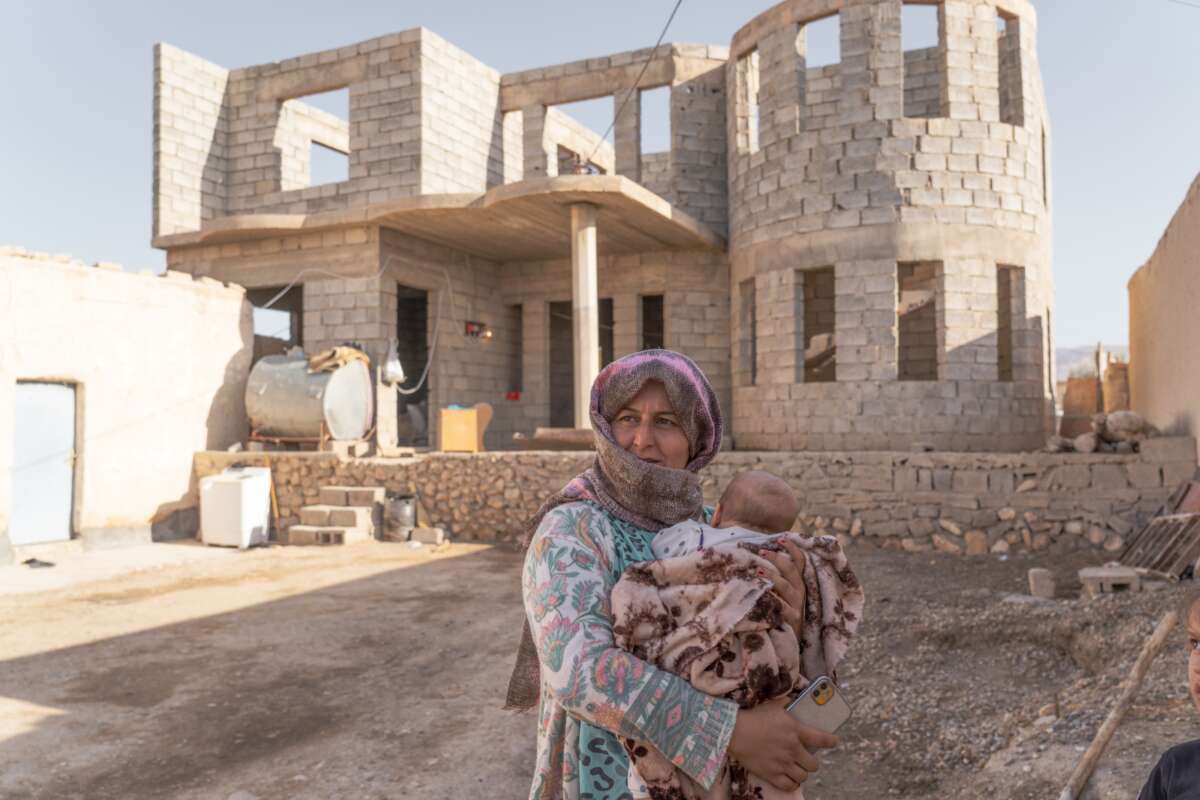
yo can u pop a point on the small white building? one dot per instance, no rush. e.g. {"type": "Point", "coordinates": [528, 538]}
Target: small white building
{"type": "Point", "coordinates": [110, 381]}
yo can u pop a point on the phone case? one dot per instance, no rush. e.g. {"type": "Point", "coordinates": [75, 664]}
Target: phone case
{"type": "Point", "coordinates": [821, 706]}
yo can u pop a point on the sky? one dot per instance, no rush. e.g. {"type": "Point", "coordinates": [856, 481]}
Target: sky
{"type": "Point", "coordinates": [76, 126]}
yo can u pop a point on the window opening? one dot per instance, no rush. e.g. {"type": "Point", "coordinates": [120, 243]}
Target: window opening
{"type": "Point", "coordinates": [606, 331]}
{"type": "Point", "coordinates": [1045, 174]}
{"type": "Point", "coordinates": [652, 322]}
{"type": "Point", "coordinates": [1049, 355]}
{"type": "Point", "coordinates": [280, 327]}
{"type": "Point", "coordinates": [515, 348]}
{"type": "Point", "coordinates": [748, 334]}
{"type": "Point", "coordinates": [314, 139]}
{"type": "Point", "coordinates": [823, 42]}
{"type": "Point", "coordinates": [918, 26]}
{"type": "Point", "coordinates": [923, 61]}
{"type": "Point", "coordinates": [562, 365]}
{"type": "Point", "coordinates": [1008, 46]}
{"type": "Point", "coordinates": [412, 340]}
{"type": "Point", "coordinates": [1005, 297]}
{"type": "Point", "coordinates": [916, 311]}
{"type": "Point", "coordinates": [327, 165]}
{"type": "Point", "coordinates": [587, 121]}
{"type": "Point", "coordinates": [748, 108]}
{"type": "Point", "coordinates": [817, 351]}
{"type": "Point", "coordinates": [562, 357]}
{"type": "Point", "coordinates": [656, 120]}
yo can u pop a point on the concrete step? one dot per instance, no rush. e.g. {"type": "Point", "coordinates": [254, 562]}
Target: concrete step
{"type": "Point", "coordinates": [351, 495]}
{"type": "Point", "coordinates": [339, 517]}
{"type": "Point", "coordinates": [301, 535]}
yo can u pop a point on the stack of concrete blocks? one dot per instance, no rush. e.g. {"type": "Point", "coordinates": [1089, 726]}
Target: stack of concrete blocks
{"type": "Point", "coordinates": [344, 515]}
{"type": "Point", "coordinates": [840, 177]}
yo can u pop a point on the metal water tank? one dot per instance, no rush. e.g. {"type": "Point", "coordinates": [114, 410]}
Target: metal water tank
{"type": "Point", "coordinates": [284, 399]}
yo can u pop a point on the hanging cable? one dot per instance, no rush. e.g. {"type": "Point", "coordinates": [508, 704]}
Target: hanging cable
{"type": "Point", "coordinates": [437, 320]}
{"type": "Point", "coordinates": [636, 82]}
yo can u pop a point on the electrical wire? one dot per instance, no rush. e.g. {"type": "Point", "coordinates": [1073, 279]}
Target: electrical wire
{"type": "Point", "coordinates": [437, 320]}
{"type": "Point", "coordinates": [633, 89]}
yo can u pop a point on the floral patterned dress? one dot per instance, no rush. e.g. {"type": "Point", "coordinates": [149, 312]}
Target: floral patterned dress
{"type": "Point", "coordinates": [593, 692]}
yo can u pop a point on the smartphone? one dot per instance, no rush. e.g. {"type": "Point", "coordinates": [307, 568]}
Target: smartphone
{"type": "Point", "coordinates": [821, 706]}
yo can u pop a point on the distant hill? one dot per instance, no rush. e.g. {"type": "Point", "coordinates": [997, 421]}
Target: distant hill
{"type": "Point", "coordinates": [1068, 358]}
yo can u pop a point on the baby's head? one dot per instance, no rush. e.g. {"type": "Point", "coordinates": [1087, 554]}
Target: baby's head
{"type": "Point", "coordinates": [759, 501]}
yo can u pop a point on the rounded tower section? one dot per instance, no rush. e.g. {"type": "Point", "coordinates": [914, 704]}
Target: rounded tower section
{"type": "Point", "coordinates": [889, 231]}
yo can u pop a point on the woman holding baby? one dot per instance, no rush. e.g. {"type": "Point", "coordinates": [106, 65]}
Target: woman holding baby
{"type": "Point", "coordinates": [657, 424]}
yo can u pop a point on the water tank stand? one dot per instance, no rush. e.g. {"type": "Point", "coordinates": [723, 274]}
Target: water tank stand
{"type": "Point", "coordinates": [320, 444]}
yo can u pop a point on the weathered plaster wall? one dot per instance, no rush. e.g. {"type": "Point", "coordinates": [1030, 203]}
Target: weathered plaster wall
{"type": "Point", "coordinates": [915, 501]}
{"type": "Point", "coordinates": [1164, 325]}
{"type": "Point", "coordinates": [159, 365]}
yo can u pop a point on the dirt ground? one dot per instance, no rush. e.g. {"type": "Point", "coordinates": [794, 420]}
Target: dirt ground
{"type": "Point", "coordinates": [375, 671]}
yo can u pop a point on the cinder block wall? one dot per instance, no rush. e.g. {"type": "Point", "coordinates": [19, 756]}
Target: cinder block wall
{"type": "Point", "coordinates": [463, 146]}
{"type": "Point", "coordinates": [191, 126]}
{"type": "Point", "coordinates": [888, 159]}
{"type": "Point", "coordinates": [695, 291]}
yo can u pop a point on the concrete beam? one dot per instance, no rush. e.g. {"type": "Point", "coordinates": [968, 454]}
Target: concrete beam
{"type": "Point", "coordinates": [586, 86]}
{"type": "Point", "coordinates": [585, 307]}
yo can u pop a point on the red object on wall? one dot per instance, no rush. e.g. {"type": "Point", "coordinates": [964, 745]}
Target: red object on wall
{"type": "Point", "coordinates": [512, 395]}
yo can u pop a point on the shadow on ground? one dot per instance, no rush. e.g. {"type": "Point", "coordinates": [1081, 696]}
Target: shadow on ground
{"type": "Point", "coordinates": [385, 686]}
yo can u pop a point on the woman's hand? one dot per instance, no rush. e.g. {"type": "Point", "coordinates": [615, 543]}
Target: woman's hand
{"type": "Point", "coordinates": [775, 747]}
{"type": "Point", "coordinates": [789, 588]}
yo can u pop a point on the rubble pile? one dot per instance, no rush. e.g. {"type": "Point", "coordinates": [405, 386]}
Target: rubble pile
{"type": "Point", "coordinates": [1118, 432]}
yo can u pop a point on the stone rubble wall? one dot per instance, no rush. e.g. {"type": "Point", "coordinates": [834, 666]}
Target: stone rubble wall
{"type": "Point", "coordinates": [954, 502]}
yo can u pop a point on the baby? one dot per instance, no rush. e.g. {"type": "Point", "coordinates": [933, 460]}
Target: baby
{"type": "Point", "coordinates": [755, 506]}
{"type": "Point", "coordinates": [703, 611]}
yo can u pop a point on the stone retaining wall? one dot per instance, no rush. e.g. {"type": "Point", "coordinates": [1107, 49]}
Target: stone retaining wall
{"type": "Point", "coordinates": [956, 502]}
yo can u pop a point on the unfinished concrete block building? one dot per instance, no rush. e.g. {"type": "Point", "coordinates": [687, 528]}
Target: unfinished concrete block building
{"type": "Point", "coordinates": [856, 253]}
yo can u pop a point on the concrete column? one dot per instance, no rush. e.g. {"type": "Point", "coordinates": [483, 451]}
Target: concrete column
{"type": "Point", "coordinates": [540, 161]}
{"type": "Point", "coordinates": [627, 135]}
{"type": "Point", "coordinates": [585, 307]}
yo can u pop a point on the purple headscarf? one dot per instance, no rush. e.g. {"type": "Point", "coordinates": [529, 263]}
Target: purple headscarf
{"type": "Point", "coordinates": [647, 495]}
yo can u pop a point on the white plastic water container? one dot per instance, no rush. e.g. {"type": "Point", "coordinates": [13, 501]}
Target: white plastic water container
{"type": "Point", "coordinates": [235, 507]}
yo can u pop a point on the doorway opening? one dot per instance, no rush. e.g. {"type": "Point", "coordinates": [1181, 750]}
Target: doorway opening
{"type": "Point", "coordinates": [44, 457]}
{"type": "Point", "coordinates": [562, 357]}
{"type": "Point", "coordinates": [412, 346]}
